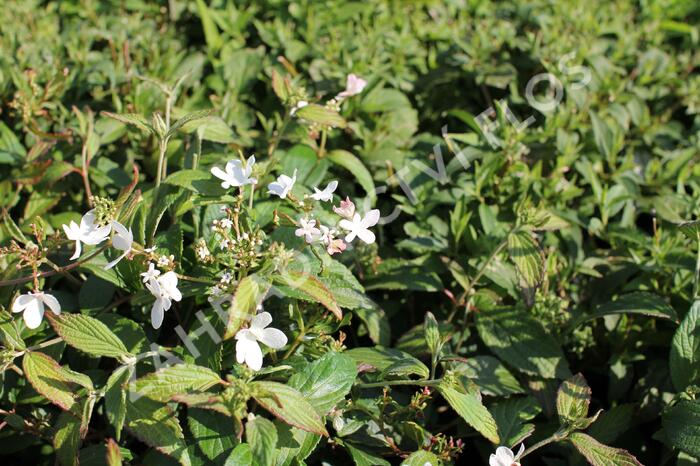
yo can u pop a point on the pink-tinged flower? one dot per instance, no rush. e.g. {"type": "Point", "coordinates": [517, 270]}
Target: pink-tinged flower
{"type": "Point", "coordinates": [505, 457]}
{"type": "Point", "coordinates": [346, 209]}
{"type": "Point", "coordinates": [336, 246]}
{"type": "Point", "coordinates": [307, 229]}
{"type": "Point", "coordinates": [247, 347]}
{"type": "Point", "coordinates": [359, 226]}
{"type": "Point", "coordinates": [353, 86]}
{"type": "Point", "coordinates": [32, 305]}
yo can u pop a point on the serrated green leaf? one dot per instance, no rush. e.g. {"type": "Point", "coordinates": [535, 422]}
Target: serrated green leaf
{"type": "Point", "coordinates": [326, 381]}
{"type": "Point", "coordinates": [115, 397]}
{"type": "Point", "coordinates": [157, 426]}
{"type": "Point", "coordinates": [191, 118]}
{"type": "Point", "coordinates": [388, 361]}
{"type": "Point", "coordinates": [242, 455]}
{"type": "Point", "coordinates": [422, 458]}
{"type": "Point", "coordinates": [293, 444]}
{"type": "Point", "coordinates": [131, 119]}
{"type": "Point", "coordinates": [490, 375]}
{"type": "Point", "coordinates": [302, 285]}
{"type": "Point", "coordinates": [66, 439]}
{"type": "Point", "coordinates": [684, 359]}
{"type": "Point", "coordinates": [682, 426]}
{"type": "Point", "coordinates": [261, 435]}
{"type": "Point", "coordinates": [512, 415]}
{"type": "Point", "coordinates": [289, 405]}
{"type": "Point", "coordinates": [527, 256]}
{"type": "Point", "coordinates": [573, 398]}
{"type": "Point", "coordinates": [89, 335]}
{"type": "Point", "coordinates": [598, 454]}
{"type": "Point", "coordinates": [471, 409]}
{"type": "Point", "coordinates": [643, 303]}
{"type": "Point", "coordinates": [212, 432]}
{"type": "Point", "coordinates": [173, 380]}
{"type": "Point", "coordinates": [248, 295]}
{"type": "Point", "coordinates": [355, 166]}
{"type": "Point", "coordinates": [54, 382]}
{"type": "Point", "coordinates": [364, 458]}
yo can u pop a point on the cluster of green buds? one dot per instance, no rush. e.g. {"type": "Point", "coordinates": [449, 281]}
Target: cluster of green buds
{"type": "Point", "coordinates": [105, 210]}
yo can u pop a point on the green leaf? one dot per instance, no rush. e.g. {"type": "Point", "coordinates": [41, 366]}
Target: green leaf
{"type": "Point", "coordinates": [512, 415]}
{"type": "Point", "coordinates": [684, 359]}
{"type": "Point", "coordinates": [212, 432]}
{"type": "Point", "coordinates": [601, 455]}
{"type": "Point", "coordinates": [602, 134]}
{"type": "Point", "coordinates": [198, 181]}
{"type": "Point", "coordinates": [641, 302]}
{"type": "Point", "coordinates": [573, 398]}
{"type": "Point", "coordinates": [242, 455]}
{"type": "Point", "coordinates": [682, 426]}
{"type": "Point", "coordinates": [248, 295]}
{"type": "Point", "coordinates": [529, 261]}
{"type": "Point", "coordinates": [211, 32]}
{"type": "Point", "coordinates": [421, 458]}
{"type": "Point", "coordinates": [177, 379]}
{"type": "Point", "coordinates": [156, 425]}
{"type": "Point", "coordinates": [326, 381]}
{"type": "Point", "coordinates": [89, 335]}
{"type": "Point", "coordinates": [55, 383]}
{"type": "Point", "coordinates": [115, 397]}
{"type": "Point", "coordinates": [10, 335]}
{"type": "Point", "coordinates": [66, 439]}
{"type": "Point", "coordinates": [293, 444]}
{"type": "Point", "coordinates": [470, 408]}
{"type": "Point", "coordinates": [490, 375]}
{"type": "Point", "coordinates": [355, 166]}
{"type": "Point", "coordinates": [363, 458]}
{"type": "Point", "coordinates": [324, 116]}
{"type": "Point", "coordinates": [520, 340]}
{"type": "Point", "coordinates": [114, 454]}
{"type": "Point", "coordinates": [261, 435]}
{"type": "Point", "coordinates": [304, 286]}
{"type": "Point", "coordinates": [131, 119]}
{"type": "Point", "coordinates": [289, 405]}
{"type": "Point", "coordinates": [191, 118]}
{"type": "Point", "coordinates": [388, 361]}
{"type": "Point", "coordinates": [12, 151]}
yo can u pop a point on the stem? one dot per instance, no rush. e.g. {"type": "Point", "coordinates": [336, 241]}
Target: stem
{"type": "Point", "coordinates": [420, 383]}
{"type": "Point", "coordinates": [555, 437]}
{"type": "Point", "coordinates": [195, 279]}
{"type": "Point", "coordinates": [161, 164]}
{"type": "Point", "coordinates": [18, 281]}
{"type": "Point", "coordinates": [53, 341]}
{"type": "Point", "coordinates": [322, 148]}
{"type": "Point", "coordinates": [696, 280]}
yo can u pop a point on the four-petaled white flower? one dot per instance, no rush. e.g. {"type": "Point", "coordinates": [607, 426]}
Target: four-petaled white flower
{"type": "Point", "coordinates": [164, 288]}
{"type": "Point", "coordinates": [283, 185]}
{"type": "Point", "coordinates": [122, 240]}
{"type": "Point", "coordinates": [359, 227]}
{"type": "Point", "coordinates": [32, 304]}
{"type": "Point", "coordinates": [87, 232]}
{"type": "Point", "coordinates": [150, 274]}
{"type": "Point", "coordinates": [505, 457]}
{"type": "Point", "coordinates": [247, 347]}
{"type": "Point", "coordinates": [327, 193]}
{"type": "Point", "coordinates": [307, 229]}
{"type": "Point", "coordinates": [353, 86]}
{"type": "Point", "coordinates": [235, 174]}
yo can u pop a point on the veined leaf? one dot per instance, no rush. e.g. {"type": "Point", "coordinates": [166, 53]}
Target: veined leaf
{"type": "Point", "coordinates": [55, 383]}
{"type": "Point", "coordinates": [188, 118]}
{"type": "Point", "coordinates": [304, 286]}
{"type": "Point", "coordinates": [133, 119]}
{"type": "Point", "coordinates": [421, 458]}
{"type": "Point", "coordinates": [115, 397]}
{"type": "Point", "coordinates": [66, 439]}
{"type": "Point", "coordinates": [573, 398]}
{"type": "Point", "coordinates": [527, 256]}
{"type": "Point", "coordinates": [179, 378]}
{"type": "Point", "coordinates": [89, 335]}
{"type": "Point", "coordinates": [261, 435]}
{"type": "Point", "coordinates": [212, 432]}
{"type": "Point", "coordinates": [248, 295]}
{"type": "Point", "coordinates": [351, 163]}
{"type": "Point", "coordinates": [157, 426]}
{"type": "Point", "coordinates": [326, 381]}
{"type": "Point", "coordinates": [682, 426]}
{"type": "Point", "coordinates": [388, 361]}
{"type": "Point", "coordinates": [470, 408]}
{"type": "Point", "coordinates": [289, 405]}
{"type": "Point", "coordinates": [641, 302]}
{"type": "Point", "coordinates": [598, 454]}
{"type": "Point", "coordinates": [316, 114]}
{"type": "Point", "coordinates": [684, 360]}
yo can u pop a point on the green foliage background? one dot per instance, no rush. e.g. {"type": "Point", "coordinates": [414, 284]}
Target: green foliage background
{"type": "Point", "coordinates": [557, 252]}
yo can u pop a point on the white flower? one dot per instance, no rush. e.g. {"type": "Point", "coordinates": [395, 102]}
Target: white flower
{"type": "Point", "coordinates": [247, 347]}
{"type": "Point", "coordinates": [359, 226]}
{"type": "Point", "coordinates": [283, 185]}
{"type": "Point", "coordinates": [235, 174]}
{"type": "Point", "coordinates": [226, 223]}
{"type": "Point", "coordinates": [299, 105]}
{"type": "Point", "coordinates": [327, 194]}
{"type": "Point", "coordinates": [164, 288]}
{"type": "Point", "coordinates": [32, 304]}
{"type": "Point", "coordinates": [346, 208]}
{"type": "Point", "coordinates": [353, 86]}
{"type": "Point", "coordinates": [87, 232]}
{"type": "Point", "coordinates": [122, 240]}
{"type": "Point", "coordinates": [504, 456]}
{"type": "Point", "coordinates": [307, 229]}
{"type": "Point", "coordinates": [150, 274]}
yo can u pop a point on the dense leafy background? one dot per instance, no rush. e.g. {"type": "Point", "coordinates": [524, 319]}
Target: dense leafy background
{"type": "Point", "coordinates": [556, 253]}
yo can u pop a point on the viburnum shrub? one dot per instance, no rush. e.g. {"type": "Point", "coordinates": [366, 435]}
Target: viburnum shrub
{"type": "Point", "coordinates": [370, 233]}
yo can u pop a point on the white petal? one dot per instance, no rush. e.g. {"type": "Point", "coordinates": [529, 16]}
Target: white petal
{"type": "Point", "coordinates": [366, 236]}
{"type": "Point", "coordinates": [51, 301]}
{"type": "Point", "coordinates": [350, 237]}
{"type": "Point", "coordinates": [96, 235]}
{"type": "Point", "coordinates": [273, 338]}
{"type": "Point", "coordinates": [521, 450]}
{"type": "Point", "coordinates": [371, 218]}
{"type": "Point", "coordinates": [261, 320]}
{"type": "Point", "coordinates": [253, 356]}
{"type": "Point", "coordinates": [346, 224]}
{"type": "Point", "coordinates": [241, 349]}
{"type": "Point", "coordinates": [22, 302]}
{"type": "Point", "coordinates": [332, 186]}
{"type": "Point", "coordinates": [115, 261]}
{"type": "Point", "coordinates": [78, 249]}
{"type": "Point", "coordinates": [504, 454]}
{"type": "Point", "coordinates": [157, 314]}
{"type": "Point", "coordinates": [33, 314]}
